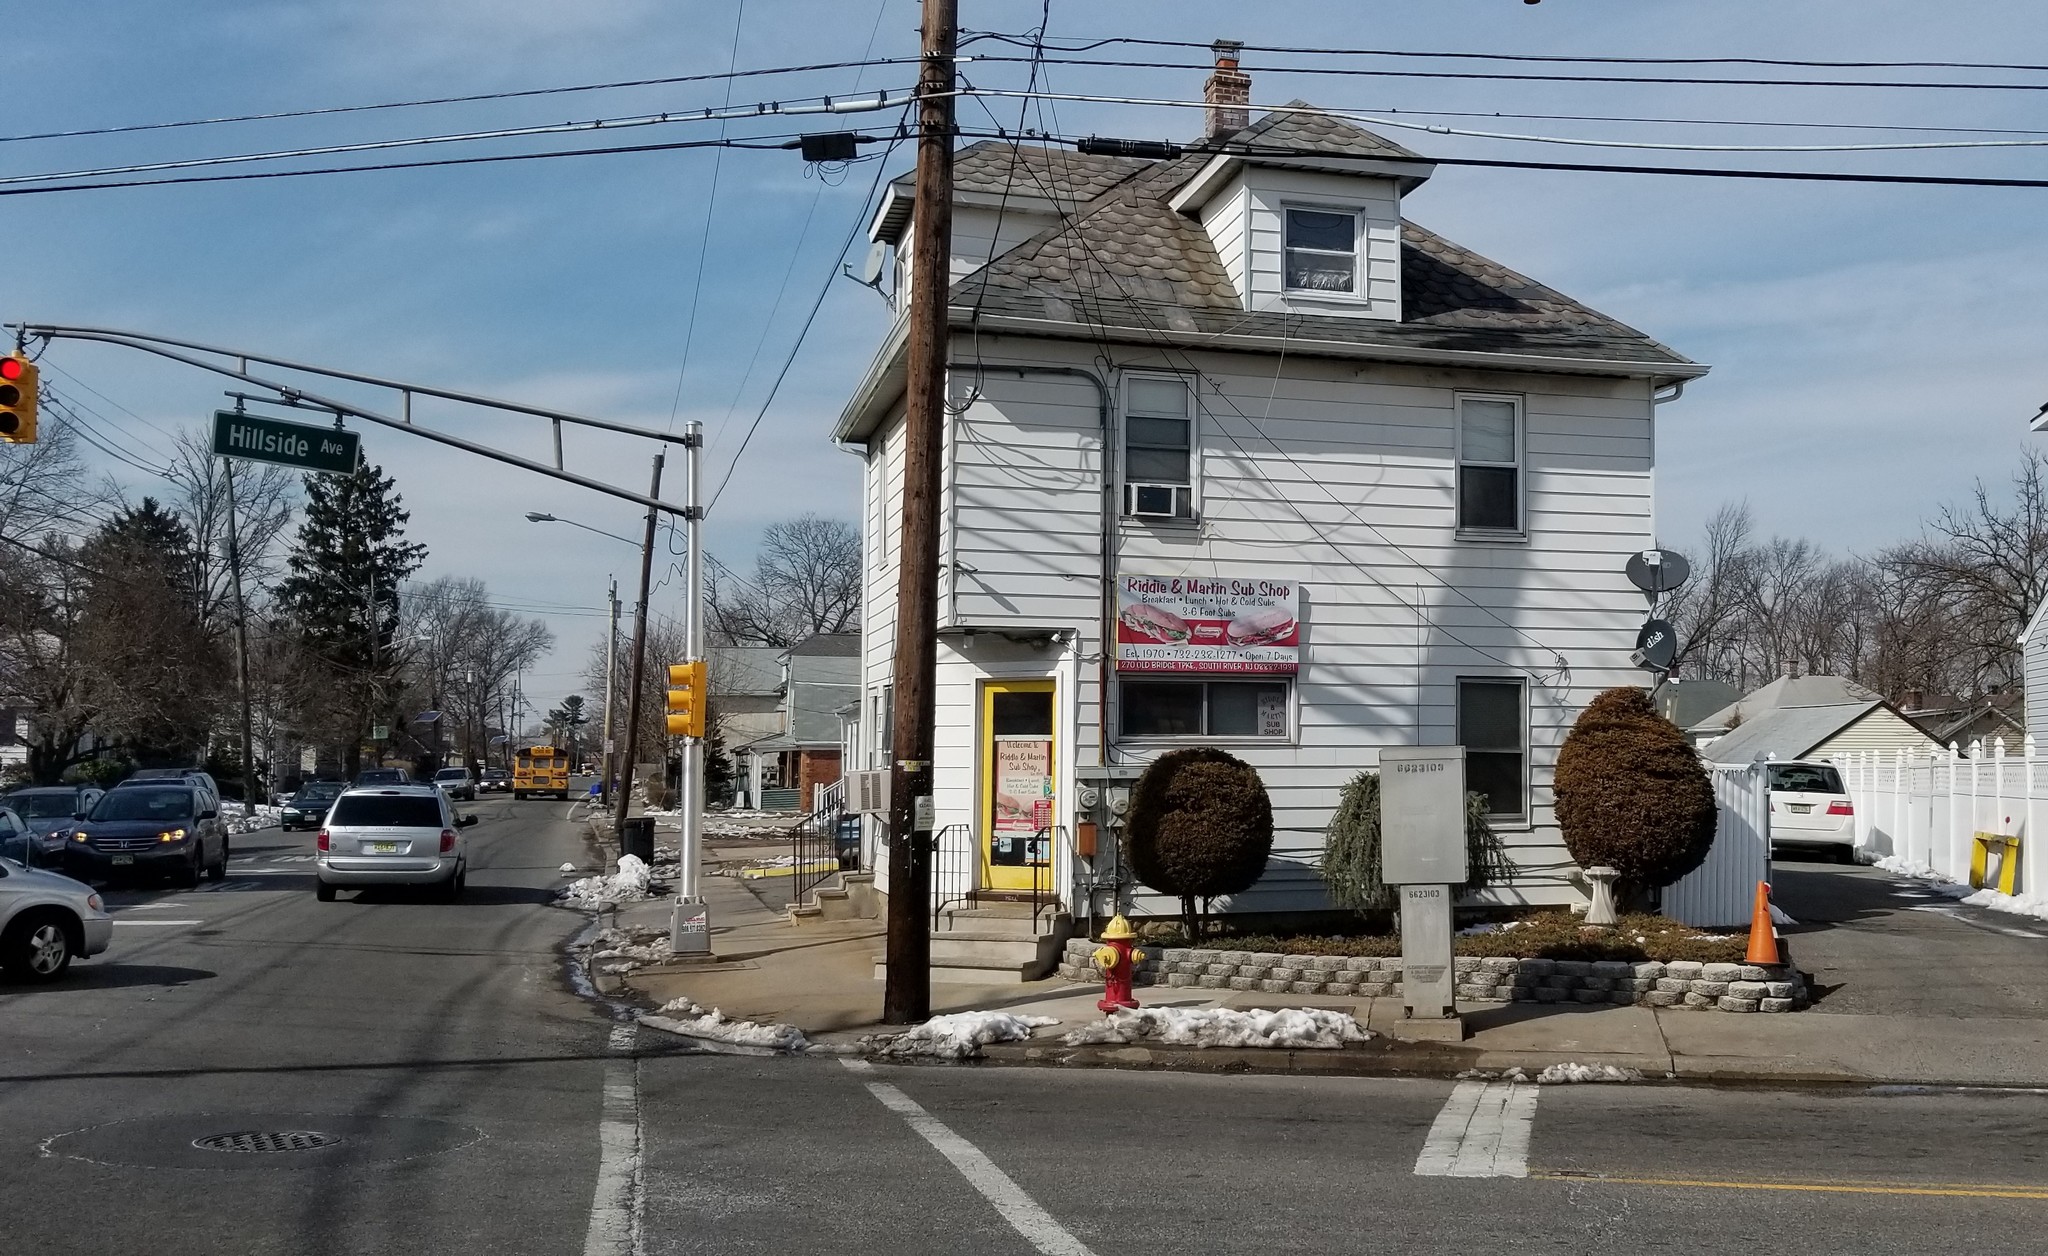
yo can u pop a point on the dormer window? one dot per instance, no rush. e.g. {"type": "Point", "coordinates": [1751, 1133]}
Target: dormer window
{"type": "Point", "coordinates": [1322, 251]}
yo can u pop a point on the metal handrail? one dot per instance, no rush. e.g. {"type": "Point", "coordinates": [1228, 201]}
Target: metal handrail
{"type": "Point", "coordinates": [814, 846]}
{"type": "Point", "coordinates": [953, 868]}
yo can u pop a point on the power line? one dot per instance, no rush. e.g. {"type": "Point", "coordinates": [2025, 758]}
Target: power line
{"type": "Point", "coordinates": [1026, 40]}
{"type": "Point", "coordinates": [454, 100]}
{"type": "Point", "coordinates": [1505, 76]}
{"type": "Point", "coordinates": [799, 106]}
{"type": "Point", "coordinates": [1723, 122]}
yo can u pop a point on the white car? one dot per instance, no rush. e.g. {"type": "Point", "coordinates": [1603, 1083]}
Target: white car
{"type": "Point", "coordinates": [1809, 807]}
{"type": "Point", "coordinates": [392, 835]}
{"type": "Point", "coordinates": [46, 921]}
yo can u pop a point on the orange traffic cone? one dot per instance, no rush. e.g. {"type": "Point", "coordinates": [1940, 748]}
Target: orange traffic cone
{"type": "Point", "coordinates": [1763, 936]}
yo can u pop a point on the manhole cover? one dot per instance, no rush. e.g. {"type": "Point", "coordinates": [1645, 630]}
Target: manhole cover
{"type": "Point", "coordinates": [263, 1141]}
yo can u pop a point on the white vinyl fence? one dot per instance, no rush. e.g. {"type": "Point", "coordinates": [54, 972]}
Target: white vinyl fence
{"type": "Point", "coordinates": [1721, 892]}
{"type": "Point", "coordinates": [1925, 808]}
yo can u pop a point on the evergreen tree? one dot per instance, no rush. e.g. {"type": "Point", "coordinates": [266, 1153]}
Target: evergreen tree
{"type": "Point", "coordinates": [152, 672]}
{"type": "Point", "coordinates": [340, 599]}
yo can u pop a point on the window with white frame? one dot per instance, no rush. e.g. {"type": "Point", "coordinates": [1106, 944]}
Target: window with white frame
{"type": "Point", "coordinates": [1489, 464]}
{"type": "Point", "coordinates": [1493, 728]}
{"type": "Point", "coordinates": [1159, 447]}
{"type": "Point", "coordinates": [1202, 708]}
{"type": "Point", "coordinates": [1322, 251]}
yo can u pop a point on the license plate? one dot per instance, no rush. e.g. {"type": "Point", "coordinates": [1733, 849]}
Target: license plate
{"type": "Point", "coordinates": [1801, 808]}
{"type": "Point", "coordinates": [381, 848]}
{"type": "Point", "coordinates": [123, 859]}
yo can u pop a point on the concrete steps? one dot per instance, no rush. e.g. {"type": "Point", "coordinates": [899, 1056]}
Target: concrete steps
{"type": "Point", "coordinates": [995, 944]}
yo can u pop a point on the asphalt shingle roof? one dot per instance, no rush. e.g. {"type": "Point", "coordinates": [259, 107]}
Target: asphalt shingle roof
{"type": "Point", "coordinates": [992, 166]}
{"type": "Point", "coordinates": [1126, 261]}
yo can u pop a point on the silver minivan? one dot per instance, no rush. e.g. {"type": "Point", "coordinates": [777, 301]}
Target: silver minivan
{"type": "Point", "coordinates": [392, 835]}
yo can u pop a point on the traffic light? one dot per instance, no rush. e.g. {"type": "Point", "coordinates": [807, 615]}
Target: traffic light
{"type": "Point", "coordinates": [18, 399]}
{"type": "Point", "coordinates": [686, 699]}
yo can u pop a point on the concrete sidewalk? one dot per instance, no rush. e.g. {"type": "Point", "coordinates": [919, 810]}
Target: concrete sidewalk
{"type": "Point", "coordinates": [819, 977]}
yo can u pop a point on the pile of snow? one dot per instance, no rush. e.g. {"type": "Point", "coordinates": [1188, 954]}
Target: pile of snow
{"type": "Point", "coordinates": [957, 1035]}
{"type": "Point", "coordinates": [1992, 900]}
{"type": "Point", "coordinates": [1480, 930]}
{"type": "Point", "coordinates": [566, 869]}
{"type": "Point", "coordinates": [240, 821]}
{"type": "Point", "coordinates": [614, 952]}
{"type": "Point", "coordinates": [1224, 1027]}
{"type": "Point", "coordinates": [1558, 1074]}
{"type": "Point", "coordinates": [681, 1016]}
{"type": "Point", "coordinates": [629, 884]}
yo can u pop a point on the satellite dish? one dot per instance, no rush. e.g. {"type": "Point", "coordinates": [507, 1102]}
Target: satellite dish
{"type": "Point", "coordinates": [871, 269]}
{"type": "Point", "coordinates": [1657, 571]}
{"type": "Point", "coordinates": [1656, 646]}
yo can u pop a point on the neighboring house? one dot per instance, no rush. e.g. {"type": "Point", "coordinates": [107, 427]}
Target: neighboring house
{"type": "Point", "coordinates": [1238, 455]}
{"type": "Point", "coordinates": [1808, 717]}
{"type": "Point", "coordinates": [2034, 669]}
{"type": "Point", "coordinates": [1962, 723]}
{"type": "Point", "coordinates": [788, 767]}
{"type": "Point", "coordinates": [1686, 703]}
{"type": "Point", "coordinates": [746, 691]}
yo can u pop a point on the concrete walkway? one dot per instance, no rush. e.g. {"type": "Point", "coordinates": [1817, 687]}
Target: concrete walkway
{"type": "Point", "coordinates": [819, 977]}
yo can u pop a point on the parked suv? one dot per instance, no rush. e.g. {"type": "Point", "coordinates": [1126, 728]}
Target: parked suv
{"type": "Point", "coordinates": [305, 809]}
{"type": "Point", "coordinates": [393, 835]}
{"type": "Point", "coordinates": [172, 776]}
{"type": "Point", "coordinates": [1809, 807]}
{"type": "Point", "coordinates": [174, 830]}
{"type": "Point", "coordinates": [383, 776]}
{"type": "Point", "coordinates": [46, 921]}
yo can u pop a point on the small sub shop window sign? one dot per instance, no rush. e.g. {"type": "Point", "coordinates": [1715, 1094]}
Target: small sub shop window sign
{"type": "Point", "coordinates": [1238, 626]}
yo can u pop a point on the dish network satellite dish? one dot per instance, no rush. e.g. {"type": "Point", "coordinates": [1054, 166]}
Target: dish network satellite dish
{"type": "Point", "coordinates": [1657, 571]}
{"type": "Point", "coordinates": [871, 267]}
{"type": "Point", "coordinates": [1656, 646]}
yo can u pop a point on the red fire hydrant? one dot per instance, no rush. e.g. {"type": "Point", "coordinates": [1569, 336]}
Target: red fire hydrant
{"type": "Point", "coordinates": [1118, 961]}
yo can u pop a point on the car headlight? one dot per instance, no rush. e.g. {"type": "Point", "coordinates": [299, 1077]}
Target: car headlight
{"type": "Point", "coordinates": [79, 836]}
{"type": "Point", "coordinates": [170, 835]}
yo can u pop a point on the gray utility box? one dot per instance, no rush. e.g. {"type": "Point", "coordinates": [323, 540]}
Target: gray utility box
{"type": "Point", "coordinates": [1422, 850]}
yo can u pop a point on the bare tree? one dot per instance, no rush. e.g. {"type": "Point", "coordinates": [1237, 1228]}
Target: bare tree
{"type": "Point", "coordinates": [1707, 610]}
{"type": "Point", "coordinates": [806, 580]}
{"type": "Point", "coordinates": [265, 498]}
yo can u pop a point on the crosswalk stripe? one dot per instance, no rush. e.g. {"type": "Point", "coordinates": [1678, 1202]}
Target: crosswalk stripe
{"type": "Point", "coordinates": [1482, 1131]}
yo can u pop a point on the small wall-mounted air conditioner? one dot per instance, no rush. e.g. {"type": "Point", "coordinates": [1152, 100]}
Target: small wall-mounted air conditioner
{"type": "Point", "coordinates": [867, 791]}
{"type": "Point", "coordinates": [1159, 501]}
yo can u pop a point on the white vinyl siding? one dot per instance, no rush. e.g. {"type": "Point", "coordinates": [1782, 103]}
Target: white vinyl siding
{"type": "Point", "coordinates": [1335, 476]}
{"type": "Point", "coordinates": [1881, 730]}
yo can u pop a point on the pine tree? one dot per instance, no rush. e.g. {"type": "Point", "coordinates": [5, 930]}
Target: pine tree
{"type": "Point", "coordinates": [340, 599]}
{"type": "Point", "coordinates": [150, 669]}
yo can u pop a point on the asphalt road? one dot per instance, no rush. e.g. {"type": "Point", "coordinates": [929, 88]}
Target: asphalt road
{"type": "Point", "coordinates": [483, 1108]}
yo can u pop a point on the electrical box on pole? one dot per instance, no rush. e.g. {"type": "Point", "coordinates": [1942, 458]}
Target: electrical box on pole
{"type": "Point", "coordinates": [18, 385]}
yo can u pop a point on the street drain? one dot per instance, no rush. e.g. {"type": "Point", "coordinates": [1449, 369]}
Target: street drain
{"type": "Point", "coordinates": [266, 1141]}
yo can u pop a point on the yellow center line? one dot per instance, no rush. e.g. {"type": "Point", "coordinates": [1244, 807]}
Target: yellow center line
{"type": "Point", "coordinates": [1964, 1190]}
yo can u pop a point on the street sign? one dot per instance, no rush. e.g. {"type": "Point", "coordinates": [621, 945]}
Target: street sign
{"type": "Point", "coordinates": [380, 732]}
{"type": "Point", "coordinates": [300, 445]}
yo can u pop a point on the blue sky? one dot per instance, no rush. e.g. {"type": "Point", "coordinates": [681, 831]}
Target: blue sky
{"type": "Point", "coordinates": [1875, 348]}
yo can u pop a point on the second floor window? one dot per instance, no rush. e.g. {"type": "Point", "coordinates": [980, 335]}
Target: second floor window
{"type": "Point", "coordinates": [1159, 447]}
{"type": "Point", "coordinates": [1489, 464]}
{"type": "Point", "coordinates": [1322, 251]}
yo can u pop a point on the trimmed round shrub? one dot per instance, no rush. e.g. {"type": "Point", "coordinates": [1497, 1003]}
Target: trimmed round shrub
{"type": "Point", "coordinates": [1632, 794]}
{"type": "Point", "coordinates": [1351, 849]}
{"type": "Point", "coordinates": [1200, 826]}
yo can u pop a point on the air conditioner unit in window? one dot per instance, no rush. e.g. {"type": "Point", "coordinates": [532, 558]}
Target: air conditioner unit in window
{"type": "Point", "coordinates": [1159, 501]}
{"type": "Point", "coordinates": [867, 792]}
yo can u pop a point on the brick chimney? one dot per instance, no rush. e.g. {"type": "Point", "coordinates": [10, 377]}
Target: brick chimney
{"type": "Point", "coordinates": [1228, 91]}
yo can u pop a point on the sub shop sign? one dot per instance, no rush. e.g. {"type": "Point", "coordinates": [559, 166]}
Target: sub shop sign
{"type": "Point", "coordinates": [1194, 624]}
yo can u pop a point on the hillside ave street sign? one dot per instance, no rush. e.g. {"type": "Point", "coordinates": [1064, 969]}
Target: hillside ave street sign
{"type": "Point", "coordinates": [288, 444]}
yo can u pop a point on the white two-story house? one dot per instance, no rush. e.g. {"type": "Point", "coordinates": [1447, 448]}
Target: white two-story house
{"type": "Point", "coordinates": [1239, 455]}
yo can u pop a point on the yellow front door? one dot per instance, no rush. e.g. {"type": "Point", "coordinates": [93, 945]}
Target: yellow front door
{"type": "Point", "coordinates": [1017, 761]}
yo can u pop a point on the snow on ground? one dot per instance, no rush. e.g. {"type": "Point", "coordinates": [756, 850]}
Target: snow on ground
{"type": "Point", "coordinates": [681, 1016]}
{"type": "Point", "coordinates": [240, 821]}
{"type": "Point", "coordinates": [566, 869]}
{"type": "Point", "coordinates": [629, 884]}
{"type": "Point", "coordinates": [956, 1036]}
{"type": "Point", "coordinates": [1558, 1074]}
{"type": "Point", "coordinates": [1992, 900]}
{"type": "Point", "coordinates": [1224, 1027]}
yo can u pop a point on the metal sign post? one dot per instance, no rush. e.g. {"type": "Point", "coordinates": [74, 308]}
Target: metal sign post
{"type": "Point", "coordinates": [1422, 850]}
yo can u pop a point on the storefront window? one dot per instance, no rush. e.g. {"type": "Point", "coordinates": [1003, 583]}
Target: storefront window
{"type": "Point", "coordinates": [1203, 708]}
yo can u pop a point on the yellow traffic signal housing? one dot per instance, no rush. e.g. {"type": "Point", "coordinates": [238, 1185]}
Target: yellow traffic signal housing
{"type": "Point", "coordinates": [18, 399]}
{"type": "Point", "coordinates": [686, 699]}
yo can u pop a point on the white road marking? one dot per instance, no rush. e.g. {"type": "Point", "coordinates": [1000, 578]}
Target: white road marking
{"type": "Point", "coordinates": [133, 923]}
{"type": "Point", "coordinates": [1483, 1131]}
{"type": "Point", "coordinates": [1964, 918]}
{"type": "Point", "coordinates": [615, 1206]}
{"type": "Point", "coordinates": [1019, 1209]}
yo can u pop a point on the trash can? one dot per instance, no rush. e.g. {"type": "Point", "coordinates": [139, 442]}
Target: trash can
{"type": "Point", "coordinates": [636, 838]}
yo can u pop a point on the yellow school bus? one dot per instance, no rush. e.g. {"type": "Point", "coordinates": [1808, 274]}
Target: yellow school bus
{"type": "Point", "coordinates": [540, 770]}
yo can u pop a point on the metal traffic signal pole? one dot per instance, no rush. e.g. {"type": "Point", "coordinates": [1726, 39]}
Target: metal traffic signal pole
{"type": "Point", "coordinates": [611, 671]}
{"type": "Point", "coordinates": [690, 924]}
{"type": "Point", "coordinates": [639, 672]}
{"type": "Point", "coordinates": [907, 991]}
{"type": "Point", "coordinates": [249, 799]}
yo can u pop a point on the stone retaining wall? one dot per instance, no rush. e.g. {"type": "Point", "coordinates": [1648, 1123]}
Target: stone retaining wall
{"type": "Point", "coordinates": [1677, 983]}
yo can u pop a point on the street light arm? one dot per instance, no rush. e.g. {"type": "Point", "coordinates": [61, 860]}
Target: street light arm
{"type": "Point", "coordinates": [537, 517]}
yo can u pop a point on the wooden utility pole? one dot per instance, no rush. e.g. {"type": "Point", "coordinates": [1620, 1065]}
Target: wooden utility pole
{"type": "Point", "coordinates": [625, 799]}
{"type": "Point", "coordinates": [907, 991]}
{"type": "Point", "coordinates": [249, 798]}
